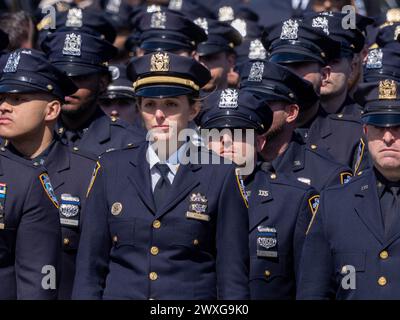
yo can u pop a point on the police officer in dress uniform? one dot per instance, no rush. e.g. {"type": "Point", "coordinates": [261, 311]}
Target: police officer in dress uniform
{"type": "Point", "coordinates": [276, 226]}
{"type": "Point", "coordinates": [167, 30]}
{"type": "Point", "coordinates": [303, 47]}
{"type": "Point", "coordinates": [217, 53]}
{"type": "Point", "coordinates": [335, 97]}
{"type": "Point", "coordinates": [28, 79]}
{"type": "Point", "coordinates": [288, 95]}
{"type": "Point", "coordinates": [355, 233]}
{"type": "Point", "coordinates": [154, 225]}
{"type": "Point", "coordinates": [83, 124]}
{"type": "Point", "coordinates": [29, 220]}
{"type": "Point", "coordinates": [119, 100]}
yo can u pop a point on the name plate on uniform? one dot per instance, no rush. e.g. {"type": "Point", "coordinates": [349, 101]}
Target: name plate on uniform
{"type": "Point", "coordinates": [197, 216]}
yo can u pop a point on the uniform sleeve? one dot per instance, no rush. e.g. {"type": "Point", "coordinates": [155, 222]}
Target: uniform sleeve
{"type": "Point", "coordinates": [307, 210]}
{"type": "Point", "coordinates": [38, 246]}
{"type": "Point", "coordinates": [316, 263]}
{"type": "Point", "coordinates": [232, 242]}
{"type": "Point", "coordinates": [94, 245]}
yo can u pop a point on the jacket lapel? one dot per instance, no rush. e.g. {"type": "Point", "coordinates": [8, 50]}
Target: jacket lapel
{"type": "Point", "coordinates": [57, 161]}
{"type": "Point", "coordinates": [367, 206]}
{"type": "Point", "coordinates": [140, 177]}
{"type": "Point", "coordinates": [185, 181]}
{"type": "Point", "coordinates": [259, 198]}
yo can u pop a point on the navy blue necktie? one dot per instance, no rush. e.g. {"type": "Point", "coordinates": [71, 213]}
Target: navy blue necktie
{"type": "Point", "coordinates": [163, 185]}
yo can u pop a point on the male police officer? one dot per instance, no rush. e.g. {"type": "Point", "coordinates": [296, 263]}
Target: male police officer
{"type": "Point", "coordinates": [167, 30]}
{"type": "Point", "coordinates": [303, 47]}
{"type": "Point", "coordinates": [155, 227]}
{"type": "Point", "coordinates": [353, 243]}
{"type": "Point", "coordinates": [276, 226]}
{"type": "Point", "coordinates": [29, 220]}
{"type": "Point", "coordinates": [39, 88]}
{"type": "Point", "coordinates": [288, 95]}
{"type": "Point", "coordinates": [334, 90]}
{"type": "Point", "coordinates": [83, 124]}
{"type": "Point", "coordinates": [217, 53]}
{"type": "Point", "coordinates": [119, 100]}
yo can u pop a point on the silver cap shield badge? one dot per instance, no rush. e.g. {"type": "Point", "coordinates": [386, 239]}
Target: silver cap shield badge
{"type": "Point", "coordinates": [226, 13]}
{"type": "Point", "coordinates": [256, 72]}
{"type": "Point", "coordinates": [158, 20]}
{"type": "Point", "coordinates": [113, 6]}
{"type": "Point", "coordinates": [202, 23]}
{"type": "Point", "coordinates": [374, 59]}
{"type": "Point", "coordinates": [257, 50]}
{"type": "Point", "coordinates": [322, 23]}
{"type": "Point", "coordinates": [175, 5]}
{"type": "Point", "coordinates": [74, 18]}
{"type": "Point", "coordinates": [229, 99]}
{"type": "Point", "coordinates": [12, 62]}
{"type": "Point", "coordinates": [241, 26]}
{"type": "Point", "coordinates": [290, 29]}
{"type": "Point", "coordinates": [72, 44]}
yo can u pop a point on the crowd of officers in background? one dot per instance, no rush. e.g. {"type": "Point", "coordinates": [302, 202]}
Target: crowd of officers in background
{"type": "Point", "coordinates": [92, 206]}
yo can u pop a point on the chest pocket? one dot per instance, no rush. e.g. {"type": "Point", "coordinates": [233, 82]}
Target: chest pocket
{"type": "Point", "coordinates": [345, 260]}
{"type": "Point", "coordinates": [268, 269]}
{"type": "Point", "coordinates": [122, 232]}
{"type": "Point", "coordinates": [194, 235]}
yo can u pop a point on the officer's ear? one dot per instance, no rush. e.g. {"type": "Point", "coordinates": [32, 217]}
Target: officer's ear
{"type": "Point", "coordinates": [261, 141]}
{"type": "Point", "coordinates": [365, 129]}
{"type": "Point", "coordinates": [195, 107]}
{"type": "Point", "coordinates": [293, 112]}
{"type": "Point", "coordinates": [53, 110]}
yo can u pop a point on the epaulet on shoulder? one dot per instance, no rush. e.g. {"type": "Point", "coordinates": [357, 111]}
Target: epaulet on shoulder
{"type": "Point", "coordinates": [118, 122]}
{"type": "Point", "coordinates": [283, 179]}
{"type": "Point", "coordinates": [345, 117]}
{"type": "Point", "coordinates": [22, 161]}
{"type": "Point", "coordinates": [84, 153]}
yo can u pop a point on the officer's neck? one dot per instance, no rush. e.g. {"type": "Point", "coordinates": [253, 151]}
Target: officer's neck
{"type": "Point", "coordinates": [277, 144]}
{"type": "Point", "coordinates": [79, 120]}
{"type": "Point", "coordinates": [306, 117]}
{"type": "Point", "coordinates": [392, 175]}
{"type": "Point", "coordinates": [33, 145]}
{"type": "Point", "coordinates": [333, 104]}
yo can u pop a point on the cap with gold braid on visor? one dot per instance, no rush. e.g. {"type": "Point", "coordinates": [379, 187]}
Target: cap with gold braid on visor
{"type": "Point", "coordinates": [163, 74]}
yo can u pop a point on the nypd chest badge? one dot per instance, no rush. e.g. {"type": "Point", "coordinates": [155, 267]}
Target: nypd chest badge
{"type": "Point", "coordinates": [69, 210]}
{"type": "Point", "coordinates": [267, 242]}
{"type": "Point", "coordinates": [198, 204]}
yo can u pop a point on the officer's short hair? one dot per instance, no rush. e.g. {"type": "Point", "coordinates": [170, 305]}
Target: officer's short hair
{"type": "Point", "coordinates": [19, 27]}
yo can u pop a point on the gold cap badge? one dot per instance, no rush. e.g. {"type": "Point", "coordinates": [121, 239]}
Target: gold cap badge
{"type": "Point", "coordinates": [159, 62]}
{"type": "Point", "coordinates": [387, 90]}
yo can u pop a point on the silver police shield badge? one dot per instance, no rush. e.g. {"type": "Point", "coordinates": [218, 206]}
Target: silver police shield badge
{"type": "Point", "coordinates": [226, 13]}
{"type": "Point", "coordinates": [374, 59]}
{"type": "Point", "coordinates": [12, 62]}
{"type": "Point", "coordinates": [158, 20]}
{"type": "Point", "coordinates": [113, 6]}
{"type": "Point", "coordinates": [115, 73]}
{"type": "Point", "coordinates": [69, 205]}
{"type": "Point", "coordinates": [229, 99]}
{"type": "Point", "coordinates": [74, 18]}
{"type": "Point", "coordinates": [241, 26]}
{"type": "Point", "coordinates": [202, 23]}
{"type": "Point", "coordinates": [257, 50]}
{"type": "Point", "coordinates": [175, 5]}
{"type": "Point", "coordinates": [72, 44]}
{"type": "Point", "coordinates": [322, 23]}
{"type": "Point", "coordinates": [256, 71]}
{"type": "Point", "coordinates": [290, 29]}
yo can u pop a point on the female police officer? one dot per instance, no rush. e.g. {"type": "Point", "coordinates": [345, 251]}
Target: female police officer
{"type": "Point", "coordinates": [159, 229]}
